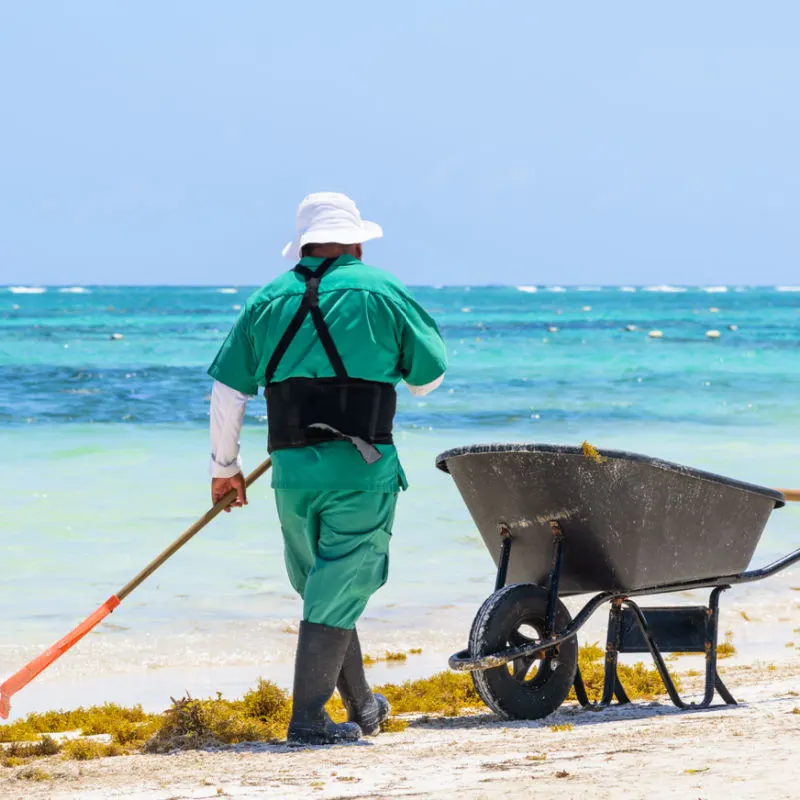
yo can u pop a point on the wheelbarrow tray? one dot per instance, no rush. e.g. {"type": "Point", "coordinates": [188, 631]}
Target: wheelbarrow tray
{"type": "Point", "coordinates": [629, 522]}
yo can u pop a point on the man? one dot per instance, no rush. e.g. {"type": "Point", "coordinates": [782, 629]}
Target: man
{"type": "Point", "coordinates": [328, 340]}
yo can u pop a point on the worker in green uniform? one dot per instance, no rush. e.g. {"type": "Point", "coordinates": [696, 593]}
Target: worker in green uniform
{"type": "Point", "coordinates": [328, 341]}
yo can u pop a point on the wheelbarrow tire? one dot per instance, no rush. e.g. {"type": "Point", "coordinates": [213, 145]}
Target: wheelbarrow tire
{"type": "Point", "coordinates": [494, 629]}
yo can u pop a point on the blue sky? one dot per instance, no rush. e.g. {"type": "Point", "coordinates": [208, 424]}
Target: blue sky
{"type": "Point", "coordinates": [504, 142]}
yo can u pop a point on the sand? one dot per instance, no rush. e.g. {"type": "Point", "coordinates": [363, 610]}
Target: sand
{"type": "Point", "coordinates": [648, 750]}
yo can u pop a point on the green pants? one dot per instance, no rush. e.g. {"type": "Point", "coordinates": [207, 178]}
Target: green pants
{"type": "Point", "coordinates": [336, 546]}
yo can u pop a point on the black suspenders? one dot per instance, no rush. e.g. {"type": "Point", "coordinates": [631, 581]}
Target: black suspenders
{"type": "Point", "coordinates": [305, 411]}
{"type": "Point", "coordinates": [308, 305]}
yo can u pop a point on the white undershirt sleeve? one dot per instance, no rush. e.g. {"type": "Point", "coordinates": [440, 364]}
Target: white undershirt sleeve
{"type": "Point", "coordinates": [227, 415]}
{"type": "Point", "coordinates": [419, 391]}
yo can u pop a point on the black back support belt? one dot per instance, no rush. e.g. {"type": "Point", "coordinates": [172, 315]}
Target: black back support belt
{"type": "Point", "coordinates": [307, 411]}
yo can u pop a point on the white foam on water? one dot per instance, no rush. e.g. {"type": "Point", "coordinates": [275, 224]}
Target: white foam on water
{"type": "Point", "coordinates": [27, 289]}
{"type": "Point", "coordinates": [628, 289]}
{"type": "Point", "coordinates": [227, 291]}
{"type": "Point", "coordinates": [714, 289]}
{"type": "Point", "coordinates": [73, 290]}
{"type": "Point", "coordinates": [787, 288]}
{"type": "Point", "coordinates": [556, 289]}
{"type": "Point", "coordinates": [666, 289]}
{"type": "Point", "coordinates": [528, 289]}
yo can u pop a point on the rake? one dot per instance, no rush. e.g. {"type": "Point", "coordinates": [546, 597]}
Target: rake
{"type": "Point", "coordinates": [24, 676]}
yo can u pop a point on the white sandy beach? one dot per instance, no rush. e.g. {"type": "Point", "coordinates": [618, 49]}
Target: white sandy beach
{"type": "Point", "coordinates": [648, 750]}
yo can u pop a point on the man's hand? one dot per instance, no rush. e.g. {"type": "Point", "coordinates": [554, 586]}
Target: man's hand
{"type": "Point", "coordinates": [221, 486]}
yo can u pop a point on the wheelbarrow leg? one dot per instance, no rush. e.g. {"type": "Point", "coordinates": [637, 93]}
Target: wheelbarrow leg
{"type": "Point", "coordinates": [583, 697]}
{"type": "Point", "coordinates": [580, 690]}
{"type": "Point", "coordinates": [622, 697]}
{"type": "Point", "coordinates": [656, 655]}
{"type": "Point", "coordinates": [612, 687]}
{"type": "Point", "coordinates": [722, 689]}
{"type": "Point", "coordinates": [611, 676]}
{"type": "Point", "coordinates": [713, 680]}
{"type": "Point", "coordinates": [554, 577]}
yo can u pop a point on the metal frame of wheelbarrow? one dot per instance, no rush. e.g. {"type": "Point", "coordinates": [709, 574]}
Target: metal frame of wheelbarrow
{"type": "Point", "coordinates": [631, 629]}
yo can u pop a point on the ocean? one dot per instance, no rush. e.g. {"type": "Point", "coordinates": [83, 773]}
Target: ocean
{"type": "Point", "coordinates": [105, 461]}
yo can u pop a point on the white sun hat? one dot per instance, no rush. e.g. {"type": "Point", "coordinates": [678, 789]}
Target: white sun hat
{"type": "Point", "coordinates": [329, 217]}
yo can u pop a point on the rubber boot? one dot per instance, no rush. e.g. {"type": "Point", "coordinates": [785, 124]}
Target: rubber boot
{"type": "Point", "coordinates": [363, 707]}
{"type": "Point", "coordinates": [320, 652]}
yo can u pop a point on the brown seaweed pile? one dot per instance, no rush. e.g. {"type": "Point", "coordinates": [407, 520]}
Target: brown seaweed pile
{"type": "Point", "coordinates": [129, 728]}
{"type": "Point", "coordinates": [261, 715]}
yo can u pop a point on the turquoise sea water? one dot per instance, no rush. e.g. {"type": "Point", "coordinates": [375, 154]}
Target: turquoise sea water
{"type": "Point", "coordinates": [105, 448]}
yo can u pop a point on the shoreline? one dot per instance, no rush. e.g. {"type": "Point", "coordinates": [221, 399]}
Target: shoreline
{"type": "Point", "coordinates": [764, 619]}
{"type": "Point", "coordinates": [649, 749]}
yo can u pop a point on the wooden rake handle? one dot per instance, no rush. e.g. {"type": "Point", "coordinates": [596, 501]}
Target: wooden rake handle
{"type": "Point", "coordinates": [791, 495]}
{"type": "Point", "coordinates": [219, 507]}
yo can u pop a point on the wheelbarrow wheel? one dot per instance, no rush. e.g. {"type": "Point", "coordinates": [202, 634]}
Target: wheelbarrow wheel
{"type": "Point", "coordinates": [526, 688]}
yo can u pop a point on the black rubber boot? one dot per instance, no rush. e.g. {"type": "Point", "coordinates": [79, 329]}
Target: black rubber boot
{"type": "Point", "coordinates": [320, 653]}
{"type": "Point", "coordinates": [363, 707]}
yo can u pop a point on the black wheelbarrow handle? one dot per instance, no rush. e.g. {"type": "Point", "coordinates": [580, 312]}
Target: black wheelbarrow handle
{"type": "Point", "coordinates": [463, 661]}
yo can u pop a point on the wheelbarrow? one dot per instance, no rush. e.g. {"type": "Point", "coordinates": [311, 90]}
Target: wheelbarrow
{"type": "Point", "coordinates": [561, 521]}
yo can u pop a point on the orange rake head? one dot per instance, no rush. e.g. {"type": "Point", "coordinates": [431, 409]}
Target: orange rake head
{"type": "Point", "coordinates": [24, 676]}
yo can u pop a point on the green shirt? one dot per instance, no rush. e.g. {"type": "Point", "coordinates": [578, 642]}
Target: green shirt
{"type": "Point", "coordinates": [381, 333]}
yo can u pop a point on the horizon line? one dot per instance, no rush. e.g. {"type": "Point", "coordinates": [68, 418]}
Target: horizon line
{"type": "Point", "coordinates": [535, 286]}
